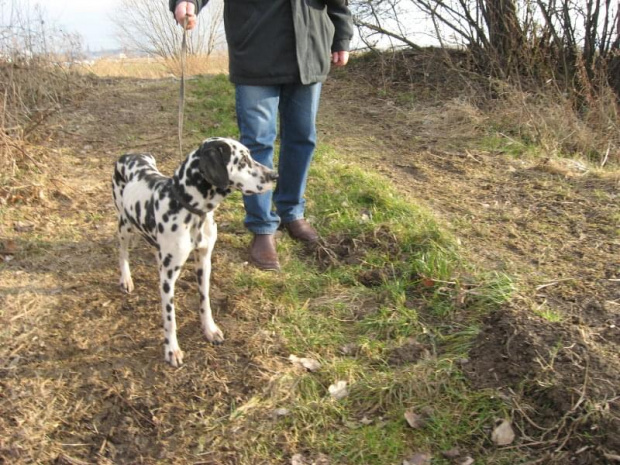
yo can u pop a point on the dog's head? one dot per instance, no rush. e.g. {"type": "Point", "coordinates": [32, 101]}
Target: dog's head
{"type": "Point", "coordinates": [226, 163]}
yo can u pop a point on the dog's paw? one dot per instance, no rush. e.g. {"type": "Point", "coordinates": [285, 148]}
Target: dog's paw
{"type": "Point", "coordinates": [174, 357]}
{"type": "Point", "coordinates": [126, 285]}
{"type": "Point", "coordinates": [215, 336]}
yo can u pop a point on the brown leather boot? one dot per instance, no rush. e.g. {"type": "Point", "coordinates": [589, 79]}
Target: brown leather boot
{"type": "Point", "coordinates": [301, 230]}
{"type": "Point", "coordinates": [263, 252]}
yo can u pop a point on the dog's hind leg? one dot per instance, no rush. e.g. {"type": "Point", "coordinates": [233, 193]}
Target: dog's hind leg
{"type": "Point", "coordinates": [203, 273]}
{"type": "Point", "coordinates": [124, 239]}
{"type": "Point", "coordinates": [170, 263]}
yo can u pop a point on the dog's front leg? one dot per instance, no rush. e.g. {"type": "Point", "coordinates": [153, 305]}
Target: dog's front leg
{"type": "Point", "coordinates": [203, 273]}
{"type": "Point", "coordinates": [170, 264]}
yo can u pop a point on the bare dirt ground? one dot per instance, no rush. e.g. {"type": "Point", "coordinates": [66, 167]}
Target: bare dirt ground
{"type": "Point", "coordinates": [552, 351]}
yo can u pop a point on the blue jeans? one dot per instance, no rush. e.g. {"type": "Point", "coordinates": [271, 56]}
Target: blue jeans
{"type": "Point", "coordinates": [257, 116]}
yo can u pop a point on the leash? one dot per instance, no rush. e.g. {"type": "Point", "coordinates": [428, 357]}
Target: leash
{"type": "Point", "coordinates": [182, 88]}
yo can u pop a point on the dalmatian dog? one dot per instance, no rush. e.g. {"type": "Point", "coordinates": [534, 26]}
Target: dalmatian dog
{"type": "Point", "coordinates": [175, 215]}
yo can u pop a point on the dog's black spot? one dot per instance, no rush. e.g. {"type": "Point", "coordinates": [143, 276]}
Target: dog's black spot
{"type": "Point", "coordinates": [168, 308]}
{"type": "Point", "coordinates": [149, 219]}
{"type": "Point", "coordinates": [166, 341]}
{"type": "Point", "coordinates": [173, 228]}
{"type": "Point", "coordinates": [166, 287]}
{"type": "Point", "coordinates": [165, 217]}
{"type": "Point", "coordinates": [167, 260]}
{"type": "Point", "coordinates": [169, 318]}
{"type": "Point", "coordinates": [170, 353]}
{"type": "Point", "coordinates": [156, 204]}
{"type": "Point", "coordinates": [170, 274]}
{"type": "Point", "coordinates": [160, 228]}
{"type": "Point", "coordinates": [188, 218]}
{"type": "Point", "coordinates": [118, 177]}
{"type": "Point", "coordinates": [210, 206]}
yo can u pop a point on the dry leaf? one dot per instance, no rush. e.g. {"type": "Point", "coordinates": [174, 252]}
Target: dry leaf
{"type": "Point", "coordinates": [321, 459]}
{"type": "Point", "coordinates": [8, 247]}
{"type": "Point", "coordinates": [298, 459]}
{"type": "Point", "coordinates": [414, 420]}
{"type": "Point", "coordinates": [466, 461]}
{"type": "Point", "coordinates": [309, 364]}
{"type": "Point", "coordinates": [427, 282]}
{"type": "Point", "coordinates": [23, 227]}
{"type": "Point", "coordinates": [349, 349]}
{"type": "Point", "coordinates": [503, 434]}
{"type": "Point", "coordinates": [418, 459]}
{"type": "Point", "coordinates": [281, 412]}
{"type": "Point", "coordinates": [452, 453]}
{"type": "Point", "coordinates": [338, 390]}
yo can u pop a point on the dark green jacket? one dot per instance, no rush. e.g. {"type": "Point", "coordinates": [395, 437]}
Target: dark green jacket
{"type": "Point", "coordinates": [283, 41]}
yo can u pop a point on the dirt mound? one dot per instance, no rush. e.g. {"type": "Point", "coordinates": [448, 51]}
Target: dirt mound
{"type": "Point", "coordinates": [561, 390]}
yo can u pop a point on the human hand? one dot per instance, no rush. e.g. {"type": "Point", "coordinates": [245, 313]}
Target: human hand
{"type": "Point", "coordinates": [186, 10]}
{"type": "Point", "coordinates": [340, 58]}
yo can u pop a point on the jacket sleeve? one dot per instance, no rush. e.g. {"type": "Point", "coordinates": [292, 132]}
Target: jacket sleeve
{"type": "Point", "coordinates": [341, 17]}
{"type": "Point", "coordinates": [199, 4]}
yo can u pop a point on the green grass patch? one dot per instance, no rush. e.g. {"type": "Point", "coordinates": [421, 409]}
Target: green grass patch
{"type": "Point", "coordinates": [386, 278]}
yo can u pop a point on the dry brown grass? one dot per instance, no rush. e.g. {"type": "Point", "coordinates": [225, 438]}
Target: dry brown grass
{"type": "Point", "coordinates": [549, 120]}
{"type": "Point", "coordinates": [530, 116]}
{"type": "Point", "coordinates": [157, 68]}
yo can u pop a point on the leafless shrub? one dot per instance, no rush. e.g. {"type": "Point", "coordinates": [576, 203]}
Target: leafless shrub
{"type": "Point", "coordinates": [573, 42]}
{"type": "Point", "coordinates": [148, 27]}
{"type": "Point", "coordinates": [34, 80]}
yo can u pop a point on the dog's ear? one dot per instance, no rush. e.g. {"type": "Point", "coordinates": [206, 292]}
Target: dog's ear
{"type": "Point", "coordinates": [214, 158]}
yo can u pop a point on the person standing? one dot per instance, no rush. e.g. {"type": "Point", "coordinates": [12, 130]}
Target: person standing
{"type": "Point", "coordinates": [280, 52]}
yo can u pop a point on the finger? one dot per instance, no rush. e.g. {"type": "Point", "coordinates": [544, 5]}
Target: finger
{"type": "Point", "coordinates": [179, 12]}
{"type": "Point", "coordinates": [191, 22]}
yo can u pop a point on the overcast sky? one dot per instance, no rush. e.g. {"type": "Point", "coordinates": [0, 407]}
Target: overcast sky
{"type": "Point", "coordinates": [91, 19]}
